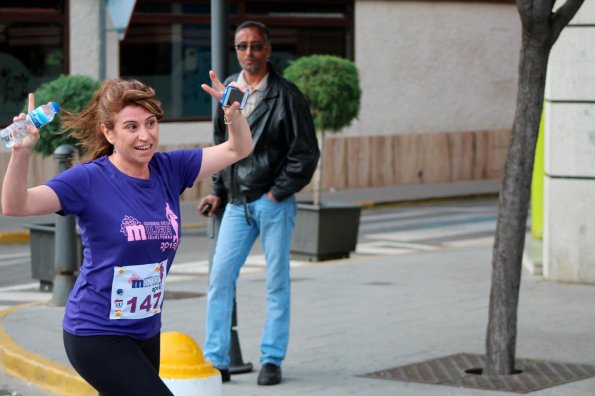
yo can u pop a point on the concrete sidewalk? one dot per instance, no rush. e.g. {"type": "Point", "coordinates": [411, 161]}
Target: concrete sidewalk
{"type": "Point", "coordinates": [351, 317]}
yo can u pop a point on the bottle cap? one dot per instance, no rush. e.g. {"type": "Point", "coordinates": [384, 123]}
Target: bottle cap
{"type": "Point", "coordinates": [56, 107]}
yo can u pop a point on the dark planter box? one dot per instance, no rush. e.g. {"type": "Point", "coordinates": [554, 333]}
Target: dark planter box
{"type": "Point", "coordinates": [42, 244]}
{"type": "Point", "coordinates": [325, 232]}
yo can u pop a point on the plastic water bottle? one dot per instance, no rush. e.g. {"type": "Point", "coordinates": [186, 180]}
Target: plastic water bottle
{"type": "Point", "coordinates": [17, 131]}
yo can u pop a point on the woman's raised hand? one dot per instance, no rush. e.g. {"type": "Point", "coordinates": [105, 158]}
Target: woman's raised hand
{"type": "Point", "coordinates": [217, 90]}
{"type": "Point", "coordinates": [33, 136]}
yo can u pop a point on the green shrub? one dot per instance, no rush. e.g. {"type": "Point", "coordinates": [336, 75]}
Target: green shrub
{"type": "Point", "coordinates": [72, 93]}
{"type": "Point", "coordinates": [331, 87]}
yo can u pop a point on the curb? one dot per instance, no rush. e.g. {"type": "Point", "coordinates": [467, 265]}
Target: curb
{"type": "Point", "coordinates": [43, 372]}
{"type": "Point", "coordinates": [10, 237]}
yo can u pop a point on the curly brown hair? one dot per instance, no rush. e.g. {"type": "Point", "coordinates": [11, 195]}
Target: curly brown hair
{"type": "Point", "coordinates": [111, 97]}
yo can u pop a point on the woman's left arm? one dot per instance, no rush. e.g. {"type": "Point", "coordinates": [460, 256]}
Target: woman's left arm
{"type": "Point", "coordinates": [238, 145]}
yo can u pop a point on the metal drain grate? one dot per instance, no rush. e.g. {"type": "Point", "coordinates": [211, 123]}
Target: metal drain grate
{"type": "Point", "coordinates": [451, 370]}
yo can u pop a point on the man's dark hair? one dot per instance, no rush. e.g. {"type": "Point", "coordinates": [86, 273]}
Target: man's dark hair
{"type": "Point", "coordinates": [257, 25]}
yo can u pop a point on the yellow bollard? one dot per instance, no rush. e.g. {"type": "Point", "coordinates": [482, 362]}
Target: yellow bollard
{"type": "Point", "coordinates": [184, 369]}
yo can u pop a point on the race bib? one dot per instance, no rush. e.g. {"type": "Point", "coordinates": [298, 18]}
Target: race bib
{"type": "Point", "coordinates": [137, 291]}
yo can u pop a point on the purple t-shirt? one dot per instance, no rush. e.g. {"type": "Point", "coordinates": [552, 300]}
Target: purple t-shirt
{"type": "Point", "coordinates": [129, 227]}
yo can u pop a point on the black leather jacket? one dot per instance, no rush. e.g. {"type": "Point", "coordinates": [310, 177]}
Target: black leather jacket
{"type": "Point", "coordinates": [285, 146]}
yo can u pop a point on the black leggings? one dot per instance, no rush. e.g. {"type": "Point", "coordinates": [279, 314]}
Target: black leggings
{"type": "Point", "coordinates": [117, 365]}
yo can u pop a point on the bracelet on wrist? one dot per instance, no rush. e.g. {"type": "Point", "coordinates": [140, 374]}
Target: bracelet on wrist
{"type": "Point", "coordinates": [228, 120]}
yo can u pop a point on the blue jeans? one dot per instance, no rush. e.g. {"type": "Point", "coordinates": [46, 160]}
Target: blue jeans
{"type": "Point", "coordinates": [274, 222]}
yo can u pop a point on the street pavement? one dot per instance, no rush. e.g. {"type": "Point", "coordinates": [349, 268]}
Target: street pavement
{"type": "Point", "coordinates": [407, 295]}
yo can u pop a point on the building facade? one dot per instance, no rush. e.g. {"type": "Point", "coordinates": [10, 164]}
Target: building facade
{"type": "Point", "coordinates": [438, 77]}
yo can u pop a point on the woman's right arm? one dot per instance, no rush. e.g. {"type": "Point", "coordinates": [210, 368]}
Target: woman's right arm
{"type": "Point", "coordinates": [17, 198]}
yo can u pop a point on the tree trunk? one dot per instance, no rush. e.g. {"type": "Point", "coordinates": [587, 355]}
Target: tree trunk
{"type": "Point", "coordinates": [512, 215]}
{"type": "Point", "coordinates": [540, 29]}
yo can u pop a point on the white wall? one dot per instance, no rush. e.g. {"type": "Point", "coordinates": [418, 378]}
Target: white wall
{"type": "Point", "coordinates": [435, 67]}
{"type": "Point", "coordinates": [569, 185]}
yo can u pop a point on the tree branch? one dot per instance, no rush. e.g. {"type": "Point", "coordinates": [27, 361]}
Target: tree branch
{"type": "Point", "coordinates": [562, 17]}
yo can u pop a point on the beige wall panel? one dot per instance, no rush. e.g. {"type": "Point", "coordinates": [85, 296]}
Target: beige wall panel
{"type": "Point", "coordinates": [378, 161]}
{"type": "Point", "coordinates": [498, 142]}
{"type": "Point", "coordinates": [358, 166]}
{"type": "Point", "coordinates": [381, 161]}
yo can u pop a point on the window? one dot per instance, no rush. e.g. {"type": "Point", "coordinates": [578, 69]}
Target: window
{"type": "Point", "coordinates": [32, 50]}
{"type": "Point", "coordinates": [168, 43]}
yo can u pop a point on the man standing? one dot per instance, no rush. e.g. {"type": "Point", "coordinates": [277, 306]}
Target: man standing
{"type": "Point", "coordinates": [259, 192]}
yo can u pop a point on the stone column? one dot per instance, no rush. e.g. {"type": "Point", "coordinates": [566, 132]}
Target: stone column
{"type": "Point", "coordinates": [84, 46]}
{"type": "Point", "coordinates": [569, 185]}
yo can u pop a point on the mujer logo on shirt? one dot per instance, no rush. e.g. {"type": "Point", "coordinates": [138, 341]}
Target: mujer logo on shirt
{"type": "Point", "coordinates": [165, 230]}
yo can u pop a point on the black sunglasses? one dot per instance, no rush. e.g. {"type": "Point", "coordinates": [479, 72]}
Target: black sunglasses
{"type": "Point", "coordinates": [256, 47]}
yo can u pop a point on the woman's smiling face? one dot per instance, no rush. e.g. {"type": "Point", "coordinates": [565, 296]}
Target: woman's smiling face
{"type": "Point", "coordinates": [135, 137]}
